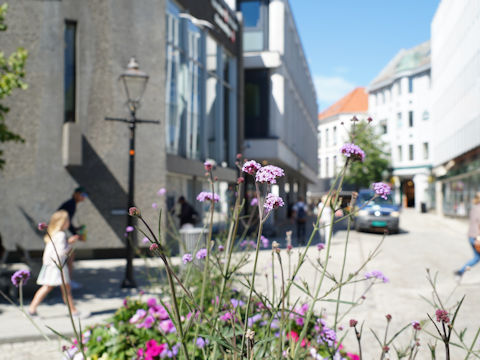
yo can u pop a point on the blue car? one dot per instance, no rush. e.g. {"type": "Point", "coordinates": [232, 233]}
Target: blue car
{"type": "Point", "coordinates": [377, 214]}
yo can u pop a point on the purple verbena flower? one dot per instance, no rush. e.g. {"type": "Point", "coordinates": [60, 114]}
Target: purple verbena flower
{"type": "Point", "coordinates": [254, 202]}
{"type": "Point", "coordinates": [201, 254]}
{"type": "Point", "coordinates": [42, 226]}
{"type": "Point", "coordinates": [265, 242]}
{"type": "Point", "coordinates": [251, 167]}
{"type": "Point", "coordinates": [382, 189]}
{"type": "Point", "coordinates": [208, 196]}
{"type": "Point", "coordinates": [377, 274]}
{"type": "Point", "coordinates": [208, 165]}
{"type": "Point", "coordinates": [162, 192]}
{"type": "Point", "coordinates": [200, 343]}
{"type": "Point", "coordinates": [320, 246]}
{"type": "Point", "coordinates": [145, 240]}
{"type": "Point", "coordinates": [269, 174]}
{"type": "Point", "coordinates": [442, 316]}
{"type": "Point", "coordinates": [129, 229]}
{"type": "Point", "coordinates": [352, 151]}
{"type": "Point", "coordinates": [154, 205]}
{"type": "Point", "coordinates": [272, 202]}
{"type": "Point", "coordinates": [221, 248]}
{"type": "Point", "coordinates": [187, 258]}
{"type": "Point", "coordinates": [416, 325]}
{"type": "Point", "coordinates": [133, 211]}
{"type": "Point", "coordinates": [153, 247]}
{"type": "Point", "coordinates": [20, 277]}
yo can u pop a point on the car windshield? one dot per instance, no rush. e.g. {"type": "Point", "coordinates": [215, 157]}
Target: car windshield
{"type": "Point", "coordinates": [364, 197]}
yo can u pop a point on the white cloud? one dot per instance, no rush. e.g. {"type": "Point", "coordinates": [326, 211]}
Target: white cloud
{"type": "Point", "coordinates": [330, 89]}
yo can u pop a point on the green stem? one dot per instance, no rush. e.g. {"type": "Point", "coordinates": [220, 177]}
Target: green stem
{"type": "Point", "coordinates": [341, 274]}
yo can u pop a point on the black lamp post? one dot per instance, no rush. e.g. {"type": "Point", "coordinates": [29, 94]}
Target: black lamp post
{"type": "Point", "coordinates": [134, 82]}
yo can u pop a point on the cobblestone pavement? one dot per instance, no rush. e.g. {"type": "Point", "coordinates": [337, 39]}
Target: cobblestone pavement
{"type": "Point", "coordinates": [425, 241]}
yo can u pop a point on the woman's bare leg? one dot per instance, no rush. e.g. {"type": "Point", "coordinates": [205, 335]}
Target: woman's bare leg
{"type": "Point", "coordinates": [38, 298]}
{"type": "Point", "coordinates": [68, 296]}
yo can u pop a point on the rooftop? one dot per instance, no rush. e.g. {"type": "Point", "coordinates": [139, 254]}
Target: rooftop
{"type": "Point", "coordinates": [406, 60]}
{"type": "Point", "coordinates": [355, 101]}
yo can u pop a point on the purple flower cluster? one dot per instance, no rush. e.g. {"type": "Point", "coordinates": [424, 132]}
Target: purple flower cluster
{"type": "Point", "coordinates": [265, 242]}
{"type": "Point", "coordinates": [353, 152]}
{"type": "Point", "coordinates": [254, 202]}
{"type": "Point", "coordinates": [208, 196]}
{"type": "Point", "coordinates": [201, 254]}
{"type": "Point", "coordinates": [269, 174]}
{"type": "Point", "coordinates": [382, 189]}
{"type": "Point", "coordinates": [442, 316]}
{"type": "Point", "coordinates": [187, 258]}
{"type": "Point", "coordinates": [20, 276]}
{"type": "Point", "coordinates": [272, 202]}
{"type": "Point", "coordinates": [376, 274]}
{"type": "Point", "coordinates": [251, 167]}
{"type": "Point", "coordinates": [248, 243]}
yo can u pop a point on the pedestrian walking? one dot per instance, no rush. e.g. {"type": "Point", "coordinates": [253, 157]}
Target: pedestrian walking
{"type": "Point", "coordinates": [300, 210]}
{"type": "Point", "coordinates": [188, 215]}
{"type": "Point", "coordinates": [55, 254]}
{"type": "Point", "coordinates": [473, 235]}
{"type": "Point", "coordinates": [70, 206]}
{"type": "Point", "coordinates": [325, 209]}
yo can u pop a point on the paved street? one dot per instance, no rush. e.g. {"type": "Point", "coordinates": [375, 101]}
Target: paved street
{"type": "Point", "coordinates": [426, 241]}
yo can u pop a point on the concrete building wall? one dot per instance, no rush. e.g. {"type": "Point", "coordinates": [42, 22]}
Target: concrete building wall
{"type": "Point", "coordinates": [456, 78]}
{"type": "Point", "coordinates": [35, 181]}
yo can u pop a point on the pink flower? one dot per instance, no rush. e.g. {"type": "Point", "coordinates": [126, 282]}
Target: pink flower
{"type": "Point", "coordinates": [269, 174]}
{"type": "Point", "coordinates": [320, 247]}
{"type": "Point", "coordinates": [382, 189]}
{"type": "Point", "coordinates": [20, 277]}
{"type": "Point", "coordinates": [265, 242]}
{"type": "Point", "coordinates": [133, 211]}
{"type": "Point", "coordinates": [139, 315]}
{"type": "Point", "coordinates": [162, 192]}
{"type": "Point", "coordinates": [251, 167]}
{"type": "Point", "coordinates": [201, 254]}
{"type": "Point", "coordinates": [154, 205]}
{"type": "Point", "coordinates": [145, 240]}
{"type": "Point", "coordinates": [416, 325]}
{"type": "Point", "coordinates": [129, 229]}
{"type": "Point", "coordinates": [353, 322]}
{"type": "Point", "coordinates": [153, 247]}
{"type": "Point", "coordinates": [167, 326]}
{"type": "Point", "coordinates": [42, 226]}
{"type": "Point", "coordinates": [187, 258]}
{"type": "Point", "coordinates": [272, 202]}
{"type": "Point", "coordinates": [151, 302]}
{"type": "Point", "coordinates": [208, 196]}
{"type": "Point", "coordinates": [353, 152]}
{"type": "Point", "coordinates": [240, 180]}
{"type": "Point", "coordinates": [254, 202]}
{"type": "Point", "coordinates": [208, 165]}
{"type": "Point", "coordinates": [442, 316]}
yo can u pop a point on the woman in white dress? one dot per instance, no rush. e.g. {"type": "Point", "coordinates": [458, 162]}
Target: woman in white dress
{"type": "Point", "coordinates": [50, 275]}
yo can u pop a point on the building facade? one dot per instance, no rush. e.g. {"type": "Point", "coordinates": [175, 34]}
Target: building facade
{"type": "Point", "coordinates": [333, 132]}
{"type": "Point", "coordinates": [77, 50]}
{"type": "Point", "coordinates": [456, 104]}
{"type": "Point", "coordinates": [399, 101]}
{"type": "Point", "coordinates": [280, 100]}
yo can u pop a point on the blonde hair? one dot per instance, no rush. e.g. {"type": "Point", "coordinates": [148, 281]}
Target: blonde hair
{"type": "Point", "coordinates": [57, 221]}
{"type": "Point", "coordinates": [476, 199]}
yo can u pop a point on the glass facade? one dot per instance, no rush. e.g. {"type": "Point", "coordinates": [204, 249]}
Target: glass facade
{"type": "Point", "coordinates": [255, 22]}
{"type": "Point", "coordinates": [256, 103]}
{"type": "Point", "coordinates": [459, 192]}
{"type": "Point", "coordinates": [200, 93]}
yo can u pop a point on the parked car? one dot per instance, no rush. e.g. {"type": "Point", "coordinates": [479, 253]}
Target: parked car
{"type": "Point", "coordinates": [376, 214]}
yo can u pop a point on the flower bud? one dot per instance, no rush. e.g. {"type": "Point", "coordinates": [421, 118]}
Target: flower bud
{"type": "Point", "coordinates": [240, 180]}
{"type": "Point", "coordinates": [353, 322]}
{"type": "Point", "coordinates": [389, 317]}
{"type": "Point", "coordinates": [153, 247]}
{"type": "Point", "coordinates": [133, 211]}
{"type": "Point", "coordinates": [42, 226]}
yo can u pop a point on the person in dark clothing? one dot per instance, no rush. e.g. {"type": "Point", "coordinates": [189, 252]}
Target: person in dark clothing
{"type": "Point", "coordinates": [188, 215]}
{"type": "Point", "coordinates": [70, 206]}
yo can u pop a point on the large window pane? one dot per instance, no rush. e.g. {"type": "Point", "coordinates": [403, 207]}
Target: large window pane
{"type": "Point", "coordinates": [69, 71]}
{"type": "Point", "coordinates": [251, 13]}
{"type": "Point", "coordinates": [256, 103]}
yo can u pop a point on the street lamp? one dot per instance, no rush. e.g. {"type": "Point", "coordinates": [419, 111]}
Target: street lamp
{"type": "Point", "coordinates": [134, 82]}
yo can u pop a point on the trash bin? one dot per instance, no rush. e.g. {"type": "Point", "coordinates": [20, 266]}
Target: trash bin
{"type": "Point", "coordinates": [193, 240]}
{"type": "Point", "coordinates": [423, 207]}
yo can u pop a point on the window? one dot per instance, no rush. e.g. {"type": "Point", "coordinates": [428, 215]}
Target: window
{"type": "Point", "coordinates": [400, 153]}
{"type": "Point", "coordinates": [256, 103]}
{"type": "Point", "coordinates": [327, 172]}
{"type": "Point", "coordinates": [319, 139]}
{"type": "Point", "coordinates": [255, 20]}
{"type": "Point", "coordinates": [410, 119]}
{"type": "Point", "coordinates": [185, 81]}
{"type": "Point", "coordinates": [69, 71]}
{"type": "Point", "coordinates": [425, 115]}
{"type": "Point", "coordinates": [425, 151]}
{"type": "Point", "coordinates": [399, 87]}
{"type": "Point", "coordinates": [334, 135]}
{"type": "Point", "coordinates": [410, 152]}
{"type": "Point", "coordinates": [319, 169]}
{"type": "Point", "coordinates": [410, 84]}
{"type": "Point", "coordinates": [335, 165]}
{"type": "Point", "coordinates": [327, 140]}
{"type": "Point", "coordinates": [383, 126]}
{"type": "Point", "coordinates": [399, 120]}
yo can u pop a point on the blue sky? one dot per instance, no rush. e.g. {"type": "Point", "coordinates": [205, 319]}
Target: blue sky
{"type": "Point", "coordinates": [348, 42]}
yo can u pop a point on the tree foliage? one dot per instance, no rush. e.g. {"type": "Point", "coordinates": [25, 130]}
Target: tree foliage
{"type": "Point", "coordinates": [377, 160]}
{"type": "Point", "coordinates": [12, 73]}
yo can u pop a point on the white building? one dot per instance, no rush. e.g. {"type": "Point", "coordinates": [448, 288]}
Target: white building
{"type": "Point", "coordinates": [456, 104]}
{"type": "Point", "coordinates": [280, 101]}
{"type": "Point", "coordinates": [333, 127]}
{"type": "Point", "coordinates": [399, 101]}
